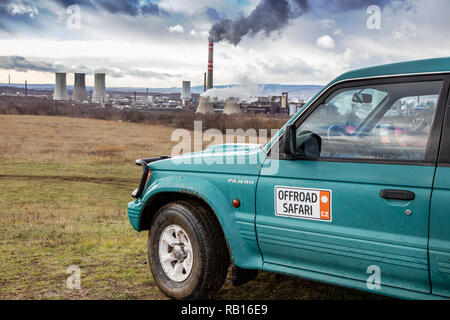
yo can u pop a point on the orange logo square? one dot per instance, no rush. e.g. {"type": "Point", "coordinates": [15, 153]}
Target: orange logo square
{"type": "Point", "coordinates": [325, 205]}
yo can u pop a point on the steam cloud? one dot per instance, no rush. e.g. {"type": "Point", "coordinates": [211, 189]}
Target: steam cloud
{"type": "Point", "coordinates": [274, 15]}
{"type": "Point", "coordinates": [246, 91]}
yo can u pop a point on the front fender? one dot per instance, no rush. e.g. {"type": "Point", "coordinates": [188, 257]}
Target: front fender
{"type": "Point", "coordinates": [244, 252]}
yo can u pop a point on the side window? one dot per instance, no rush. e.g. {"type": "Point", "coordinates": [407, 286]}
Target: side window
{"type": "Point", "coordinates": [444, 151]}
{"type": "Point", "coordinates": [383, 122]}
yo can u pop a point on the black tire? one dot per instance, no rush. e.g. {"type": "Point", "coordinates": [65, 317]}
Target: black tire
{"type": "Point", "coordinates": [210, 253]}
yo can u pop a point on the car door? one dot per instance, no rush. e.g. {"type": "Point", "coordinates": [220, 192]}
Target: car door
{"type": "Point", "coordinates": [439, 246]}
{"type": "Point", "coordinates": [361, 207]}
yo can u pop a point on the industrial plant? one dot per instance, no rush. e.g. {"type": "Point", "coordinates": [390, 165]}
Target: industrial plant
{"type": "Point", "coordinates": [145, 101]}
{"type": "Point", "coordinates": [232, 105]}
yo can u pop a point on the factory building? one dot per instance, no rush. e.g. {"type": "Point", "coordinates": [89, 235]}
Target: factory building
{"type": "Point", "coordinates": [284, 100]}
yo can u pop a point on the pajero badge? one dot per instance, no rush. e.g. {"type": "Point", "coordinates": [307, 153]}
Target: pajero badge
{"type": "Point", "coordinates": [302, 203]}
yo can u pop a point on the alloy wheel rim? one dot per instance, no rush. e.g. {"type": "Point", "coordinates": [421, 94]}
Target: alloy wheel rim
{"type": "Point", "coordinates": [175, 253]}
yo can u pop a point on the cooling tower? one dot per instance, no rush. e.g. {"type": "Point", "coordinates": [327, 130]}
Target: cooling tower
{"type": "Point", "coordinates": [210, 84]}
{"type": "Point", "coordinates": [99, 87]}
{"type": "Point", "coordinates": [186, 91]}
{"type": "Point", "coordinates": [231, 106]}
{"type": "Point", "coordinates": [60, 92]}
{"type": "Point", "coordinates": [205, 106]}
{"type": "Point", "coordinates": [79, 88]}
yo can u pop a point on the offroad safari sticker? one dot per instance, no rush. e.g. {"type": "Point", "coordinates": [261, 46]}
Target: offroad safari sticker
{"type": "Point", "coordinates": [302, 203]}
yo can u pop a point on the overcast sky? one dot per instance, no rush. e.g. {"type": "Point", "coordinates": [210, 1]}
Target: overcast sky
{"type": "Point", "coordinates": [159, 43]}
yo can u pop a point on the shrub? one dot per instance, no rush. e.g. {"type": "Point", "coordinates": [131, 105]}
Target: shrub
{"type": "Point", "coordinates": [176, 119]}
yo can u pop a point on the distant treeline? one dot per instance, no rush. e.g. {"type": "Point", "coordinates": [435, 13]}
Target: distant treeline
{"type": "Point", "coordinates": [176, 119]}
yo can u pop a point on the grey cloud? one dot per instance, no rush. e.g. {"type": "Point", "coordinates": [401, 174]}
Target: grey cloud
{"type": "Point", "coordinates": [212, 14]}
{"type": "Point", "coordinates": [16, 11]}
{"type": "Point", "coordinates": [268, 16]}
{"type": "Point", "coordinates": [84, 3]}
{"type": "Point", "coordinates": [130, 8]}
{"type": "Point", "coordinates": [125, 7]}
{"type": "Point", "coordinates": [152, 9]}
{"type": "Point", "coordinates": [22, 7]}
{"type": "Point", "coordinates": [346, 5]}
{"type": "Point", "coordinates": [274, 15]}
{"type": "Point", "coordinates": [21, 64]}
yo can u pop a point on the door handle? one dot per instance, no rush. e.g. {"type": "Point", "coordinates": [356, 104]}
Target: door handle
{"type": "Point", "coordinates": [404, 195]}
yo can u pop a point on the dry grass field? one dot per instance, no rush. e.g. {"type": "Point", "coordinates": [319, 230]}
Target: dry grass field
{"type": "Point", "coordinates": [64, 186]}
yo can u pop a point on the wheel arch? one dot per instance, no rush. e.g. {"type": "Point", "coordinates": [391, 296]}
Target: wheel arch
{"type": "Point", "coordinates": [162, 192]}
{"type": "Point", "coordinates": [160, 199]}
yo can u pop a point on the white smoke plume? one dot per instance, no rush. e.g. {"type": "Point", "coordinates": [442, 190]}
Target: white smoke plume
{"type": "Point", "coordinates": [246, 91]}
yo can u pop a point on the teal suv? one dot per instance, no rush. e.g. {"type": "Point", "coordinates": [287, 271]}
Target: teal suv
{"type": "Point", "coordinates": [353, 191]}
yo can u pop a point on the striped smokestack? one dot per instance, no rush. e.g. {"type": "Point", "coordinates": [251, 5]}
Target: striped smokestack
{"type": "Point", "coordinates": [210, 64]}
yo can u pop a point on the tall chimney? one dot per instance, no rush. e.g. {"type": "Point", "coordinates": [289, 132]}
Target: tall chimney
{"type": "Point", "coordinates": [204, 83]}
{"type": "Point", "coordinates": [26, 88]}
{"type": "Point", "coordinates": [210, 64]}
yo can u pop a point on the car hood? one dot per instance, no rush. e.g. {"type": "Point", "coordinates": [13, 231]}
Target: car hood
{"type": "Point", "coordinates": [226, 158]}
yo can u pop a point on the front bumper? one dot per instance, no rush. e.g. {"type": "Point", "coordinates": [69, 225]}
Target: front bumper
{"type": "Point", "coordinates": [134, 210]}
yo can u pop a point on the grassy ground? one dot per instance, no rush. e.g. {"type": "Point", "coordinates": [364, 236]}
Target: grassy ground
{"type": "Point", "coordinates": [64, 185]}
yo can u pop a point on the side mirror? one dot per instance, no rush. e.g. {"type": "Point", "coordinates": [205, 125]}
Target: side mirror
{"type": "Point", "coordinates": [362, 98]}
{"type": "Point", "coordinates": [309, 145]}
{"type": "Point", "coordinates": [290, 137]}
{"type": "Point", "coordinates": [306, 144]}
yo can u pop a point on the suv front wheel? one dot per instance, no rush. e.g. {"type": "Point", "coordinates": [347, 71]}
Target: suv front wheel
{"type": "Point", "coordinates": [187, 252]}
